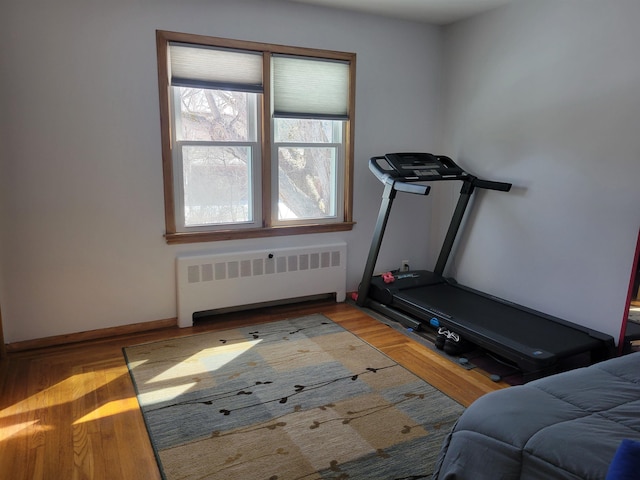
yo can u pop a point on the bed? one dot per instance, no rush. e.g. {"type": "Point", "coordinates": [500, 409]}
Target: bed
{"type": "Point", "coordinates": [566, 426]}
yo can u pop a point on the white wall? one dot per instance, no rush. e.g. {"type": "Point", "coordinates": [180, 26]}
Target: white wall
{"type": "Point", "coordinates": [82, 218]}
{"type": "Point", "coordinates": [546, 94]}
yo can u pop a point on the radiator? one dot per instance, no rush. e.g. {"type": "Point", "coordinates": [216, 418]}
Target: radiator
{"type": "Point", "coordinates": [211, 282]}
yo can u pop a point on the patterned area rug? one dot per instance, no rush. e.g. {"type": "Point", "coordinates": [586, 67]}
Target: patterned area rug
{"type": "Point", "coordinates": [294, 399]}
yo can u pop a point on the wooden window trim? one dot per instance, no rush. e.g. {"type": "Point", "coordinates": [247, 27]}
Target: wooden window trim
{"type": "Point", "coordinates": [172, 236]}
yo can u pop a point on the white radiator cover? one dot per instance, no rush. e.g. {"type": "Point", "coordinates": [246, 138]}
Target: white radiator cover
{"type": "Point", "coordinates": [210, 282]}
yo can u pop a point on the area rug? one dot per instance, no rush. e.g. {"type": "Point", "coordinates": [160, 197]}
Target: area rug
{"type": "Point", "coordinates": [294, 399]}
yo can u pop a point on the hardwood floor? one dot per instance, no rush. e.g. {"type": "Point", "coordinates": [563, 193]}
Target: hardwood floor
{"type": "Point", "coordinates": [70, 412]}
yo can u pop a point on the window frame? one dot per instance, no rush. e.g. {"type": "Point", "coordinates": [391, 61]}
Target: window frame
{"type": "Point", "coordinates": [268, 228]}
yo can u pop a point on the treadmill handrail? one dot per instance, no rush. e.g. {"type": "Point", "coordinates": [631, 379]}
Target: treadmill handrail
{"type": "Point", "coordinates": [491, 185]}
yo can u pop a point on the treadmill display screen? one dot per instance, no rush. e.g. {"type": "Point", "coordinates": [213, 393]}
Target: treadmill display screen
{"type": "Point", "coordinates": [413, 166]}
{"type": "Point", "coordinates": [422, 165]}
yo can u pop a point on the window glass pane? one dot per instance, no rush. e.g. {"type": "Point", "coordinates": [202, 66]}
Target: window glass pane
{"type": "Point", "coordinates": [215, 115]}
{"type": "Point", "coordinates": [292, 130]}
{"type": "Point", "coordinates": [306, 182]}
{"type": "Point", "coordinates": [217, 185]}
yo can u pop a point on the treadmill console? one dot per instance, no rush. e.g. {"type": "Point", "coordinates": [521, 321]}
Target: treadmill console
{"type": "Point", "coordinates": [422, 166]}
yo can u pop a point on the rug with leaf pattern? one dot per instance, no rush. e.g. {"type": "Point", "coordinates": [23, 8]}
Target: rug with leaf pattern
{"type": "Point", "coordinates": [294, 399]}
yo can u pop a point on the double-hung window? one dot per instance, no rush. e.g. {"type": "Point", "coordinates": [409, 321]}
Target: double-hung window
{"type": "Point", "coordinates": [256, 138]}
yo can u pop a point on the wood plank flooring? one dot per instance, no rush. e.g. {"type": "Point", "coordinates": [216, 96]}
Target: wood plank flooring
{"type": "Point", "coordinates": [70, 412]}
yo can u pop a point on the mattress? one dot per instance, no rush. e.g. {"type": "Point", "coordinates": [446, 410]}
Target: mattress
{"type": "Point", "coordinates": [566, 426]}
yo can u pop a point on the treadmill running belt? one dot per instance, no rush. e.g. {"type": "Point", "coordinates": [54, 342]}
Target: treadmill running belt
{"type": "Point", "coordinates": [491, 318]}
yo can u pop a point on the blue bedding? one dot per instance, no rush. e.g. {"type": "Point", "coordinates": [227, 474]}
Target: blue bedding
{"type": "Point", "coordinates": [566, 426]}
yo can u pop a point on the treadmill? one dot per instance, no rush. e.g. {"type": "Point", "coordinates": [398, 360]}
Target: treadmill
{"type": "Point", "coordinates": [531, 340]}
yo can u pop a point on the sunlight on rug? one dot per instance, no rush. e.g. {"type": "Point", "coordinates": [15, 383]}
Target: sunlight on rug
{"type": "Point", "coordinates": [294, 399]}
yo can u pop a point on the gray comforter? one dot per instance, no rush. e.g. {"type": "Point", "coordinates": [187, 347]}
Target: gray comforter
{"type": "Point", "coordinates": [567, 426]}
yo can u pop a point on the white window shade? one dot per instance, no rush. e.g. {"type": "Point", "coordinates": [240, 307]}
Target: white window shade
{"type": "Point", "coordinates": [305, 87]}
{"type": "Point", "coordinates": [209, 67]}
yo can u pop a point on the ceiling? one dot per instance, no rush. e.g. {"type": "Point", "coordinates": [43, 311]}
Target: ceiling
{"type": "Point", "coordinates": [440, 12]}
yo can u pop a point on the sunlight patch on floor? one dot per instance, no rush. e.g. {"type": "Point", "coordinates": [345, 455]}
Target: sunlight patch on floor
{"type": "Point", "coordinates": [27, 428]}
{"type": "Point", "coordinates": [164, 394]}
{"type": "Point", "coordinates": [217, 357]}
{"type": "Point", "coordinates": [184, 374]}
{"type": "Point", "coordinates": [68, 390]}
{"type": "Point", "coordinates": [108, 409]}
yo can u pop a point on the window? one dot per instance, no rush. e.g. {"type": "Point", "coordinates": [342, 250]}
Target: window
{"type": "Point", "coordinates": [256, 138]}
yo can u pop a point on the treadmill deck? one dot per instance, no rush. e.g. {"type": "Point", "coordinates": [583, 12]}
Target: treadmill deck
{"type": "Point", "coordinates": [533, 340]}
